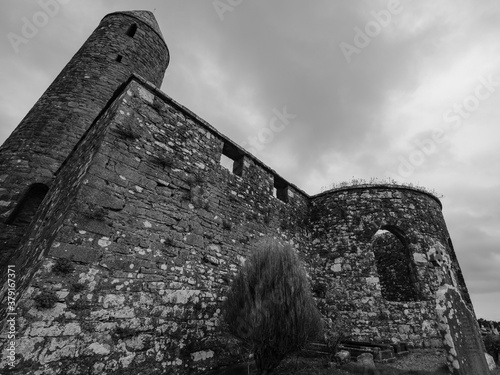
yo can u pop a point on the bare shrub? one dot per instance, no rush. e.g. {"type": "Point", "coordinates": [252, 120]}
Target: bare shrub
{"type": "Point", "coordinates": [270, 308]}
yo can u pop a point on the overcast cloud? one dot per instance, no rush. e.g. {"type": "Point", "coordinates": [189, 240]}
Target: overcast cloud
{"type": "Point", "coordinates": [428, 77]}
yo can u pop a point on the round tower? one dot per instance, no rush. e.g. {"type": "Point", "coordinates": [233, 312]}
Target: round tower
{"type": "Point", "coordinates": [386, 251]}
{"type": "Point", "coordinates": [123, 44]}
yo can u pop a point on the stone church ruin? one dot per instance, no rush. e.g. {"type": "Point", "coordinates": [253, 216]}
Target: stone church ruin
{"type": "Point", "coordinates": [124, 230]}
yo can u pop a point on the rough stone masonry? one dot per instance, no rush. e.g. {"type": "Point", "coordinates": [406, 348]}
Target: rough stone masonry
{"type": "Point", "coordinates": [124, 230]}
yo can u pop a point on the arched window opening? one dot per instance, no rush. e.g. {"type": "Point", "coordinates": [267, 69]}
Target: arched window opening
{"type": "Point", "coordinates": [131, 30]}
{"type": "Point", "coordinates": [397, 274]}
{"type": "Point", "coordinates": [27, 207]}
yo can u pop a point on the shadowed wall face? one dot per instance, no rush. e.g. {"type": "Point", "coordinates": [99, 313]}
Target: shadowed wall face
{"type": "Point", "coordinates": [154, 228]}
{"type": "Point", "coordinates": [26, 210]}
{"type": "Point", "coordinates": [45, 137]}
{"type": "Point", "coordinates": [395, 268]}
{"type": "Point", "coordinates": [374, 247]}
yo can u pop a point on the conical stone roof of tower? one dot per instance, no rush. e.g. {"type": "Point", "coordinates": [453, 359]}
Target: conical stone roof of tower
{"type": "Point", "coordinates": [145, 16]}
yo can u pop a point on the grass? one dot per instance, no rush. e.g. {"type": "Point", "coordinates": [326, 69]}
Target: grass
{"type": "Point", "coordinates": [360, 182]}
{"type": "Point", "coordinates": [304, 366]}
{"type": "Point", "coordinates": [297, 365]}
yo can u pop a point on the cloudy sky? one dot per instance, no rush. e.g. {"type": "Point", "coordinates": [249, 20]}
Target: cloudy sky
{"type": "Point", "coordinates": [407, 90]}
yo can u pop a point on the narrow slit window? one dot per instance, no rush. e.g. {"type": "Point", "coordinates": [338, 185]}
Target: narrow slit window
{"type": "Point", "coordinates": [131, 30]}
{"type": "Point", "coordinates": [27, 207]}
{"type": "Point", "coordinates": [232, 159]}
{"type": "Point", "coordinates": [119, 58]}
{"type": "Point", "coordinates": [280, 189]}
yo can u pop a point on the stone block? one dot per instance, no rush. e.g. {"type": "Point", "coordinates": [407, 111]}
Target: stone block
{"type": "Point", "coordinates": [343, 356]}
{"type": "Point", "coordinates": [460, 332]}
{"type": "Point", "coordinates": [104, 199]}
{"type": "Point", "coordinates": [95, 226]}
{"type": "Point", "coordinates": [194, 240]}
{"type": "Point", "coordinates": [366, 360]}
{"type": "Point", "coordinates": [490, 361]}
{"type": "Point", "coordinates": [77, 253]}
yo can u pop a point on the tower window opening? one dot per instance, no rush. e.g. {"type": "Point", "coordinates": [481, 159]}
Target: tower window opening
{"type": "Point", "coordinates": [119, 58]}
{"type": "Point", "coordinates": [280, 189]}
{"type": "Point", "coordinates": [26, 209]}
{"type": "Point", "coordinates": [131, 30]}
{"type": "Point", "coordinates": [232, 159]}
{"type": "Point", "coordinates": [396, 271]}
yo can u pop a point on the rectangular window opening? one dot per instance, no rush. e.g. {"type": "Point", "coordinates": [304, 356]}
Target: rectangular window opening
{"type": "Point", "coordinates": [280, 189]}
{"type": "Point", "coordinates": [232, 159]}
{"type": "Point", "coordinates": [226, 162]}
{"type": "Point", "coordinates": [132, 30]}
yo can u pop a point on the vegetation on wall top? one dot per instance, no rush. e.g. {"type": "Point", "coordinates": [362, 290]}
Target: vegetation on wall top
{"type": "Point", "coordinates": [375, 181]}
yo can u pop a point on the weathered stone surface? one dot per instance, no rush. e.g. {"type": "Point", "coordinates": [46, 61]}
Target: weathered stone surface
{"type": "Point", "coordinates": [77, 253]}
{"type": "Point", "coordinates": [490, 361]}
{"type": "Point", "coordinates": [52, 128]}
{"type": "Point", "coordinates": [366, 361]}
{"type": "Point", "coordinates": [461, 335]}
{"type": "Point", "coordinates": [155, 228]}
{"type": "Point", "coordinates": [343, 356]}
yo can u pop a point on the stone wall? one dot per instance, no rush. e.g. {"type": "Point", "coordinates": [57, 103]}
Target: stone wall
{"type": "Point", "coordinates": [141, 232]}
{"type": "Point", "coordinates": [49, 219]}
{"type": "Point", "coordinates": [125, 230]}
{"type": "Point", "coordinates": [154, 233]}
{"type": "Point", "coordinates": [59, 119]}
{"type": "Point", "coordinates": [386, 295]}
